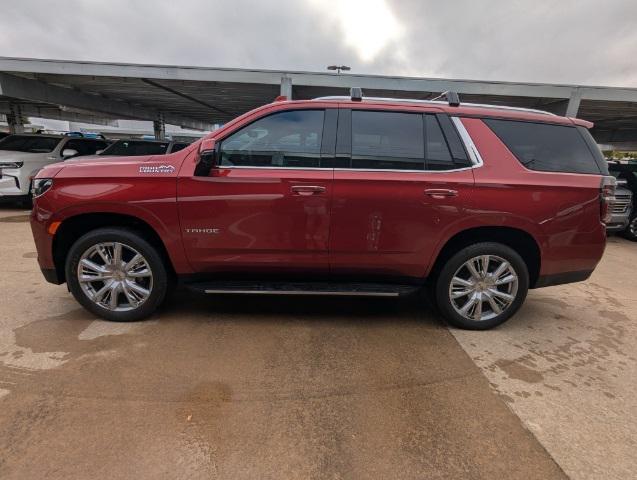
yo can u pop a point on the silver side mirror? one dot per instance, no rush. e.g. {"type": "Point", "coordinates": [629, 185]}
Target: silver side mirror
{"type": "Point", "coordinates": [68, 153]}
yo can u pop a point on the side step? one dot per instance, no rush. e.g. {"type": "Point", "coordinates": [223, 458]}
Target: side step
{"type": "Point", "coordinates": [304, 288]}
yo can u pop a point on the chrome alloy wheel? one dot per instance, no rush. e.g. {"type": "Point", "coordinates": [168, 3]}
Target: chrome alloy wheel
{"type": "Point", "coordinates": [115, 276]}
{"type": "Point", "coordinates": [632, 227]}
{"type": "Point", "coordinates": [483, 287]}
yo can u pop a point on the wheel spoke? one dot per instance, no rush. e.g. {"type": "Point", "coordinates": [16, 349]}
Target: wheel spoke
{"type": "Point", "coordinates": [467, 306]}
{"type": "Point", "coordinates": [501, 269]}
{"type": "Point", "coordinates": [505, 296]}
{"type": "Point", "coordinates": [92, 266]}
{"type": "Point", "coordinates": [97, 296]}
{"type": "Point", "coordinates": [133, 262]}
{"type": "Point", "coordinates": [494, 304]}
{"type": "Point", "coordinates": [477, 311]}
{"type": "Point", "coordinates": [472, 269]}
{"type": "Point", "coordinates": [484, 264]}
{"type": "Point", "coordinates": [115, 289]}
{"type": "Point", "coordinates": [461, 281]}
{"type": "Point", "coordinates": [137, 288]}
{"type": "Point", "coordinates": [132, 300]}
{"type": "Point", "coordinates": [102, 252]}
{"type": "Point", "coordinates": [117, 253]}
{"type": "Point", "coordinates": [95, 278]}
{"type": "Point", "coordinates": [505, 280]}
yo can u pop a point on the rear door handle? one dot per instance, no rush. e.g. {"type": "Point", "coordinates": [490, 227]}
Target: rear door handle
{"type": "Point", "coordinates": [307, 190]}
{"type": "Point", "coordinates": [441, 192]}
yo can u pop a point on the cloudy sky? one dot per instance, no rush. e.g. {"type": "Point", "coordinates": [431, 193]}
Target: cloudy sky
{"type": "Point", "coordinates": [566, 41]}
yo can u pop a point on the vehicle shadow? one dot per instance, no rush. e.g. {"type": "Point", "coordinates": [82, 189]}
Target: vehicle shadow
{"type": "Point", "coordinates": [410, 309]}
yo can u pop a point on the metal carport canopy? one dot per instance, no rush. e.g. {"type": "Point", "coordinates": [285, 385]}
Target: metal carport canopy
{"type": "Point", "coordinates": [198, 97]}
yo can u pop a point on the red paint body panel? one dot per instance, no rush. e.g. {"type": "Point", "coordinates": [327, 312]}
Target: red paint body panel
{"type": "Point", "coordinates": [263, 226]}
{"type": "Point", "coordinates": [370, 223]}
{"type": "Point", "coordinates": [384, 223]}
{"type": "Point", "coordinates": [560, 210]}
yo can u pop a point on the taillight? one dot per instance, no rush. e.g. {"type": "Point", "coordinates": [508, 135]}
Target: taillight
{"type": "Point", "coordinates": [607, 197]}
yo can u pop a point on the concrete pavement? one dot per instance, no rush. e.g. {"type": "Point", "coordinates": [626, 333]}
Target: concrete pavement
{"type": "Point", "coordinates": [244, 387]}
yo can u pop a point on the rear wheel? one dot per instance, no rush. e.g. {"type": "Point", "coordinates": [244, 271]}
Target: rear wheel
{"type": "Point", "coordinates": [631, 230]}
{"type": "Point", "coordinates": [482, 286]}
{"type": "Point", "coordinates": [117, 275]}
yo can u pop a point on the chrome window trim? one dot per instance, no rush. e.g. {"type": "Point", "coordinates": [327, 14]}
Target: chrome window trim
{"type": "Point", "coordinates": [474, 155]}
{"type": "Point", "coordinates": [351, 169]}
{"type": "Point", "coordinates": [472, 150]}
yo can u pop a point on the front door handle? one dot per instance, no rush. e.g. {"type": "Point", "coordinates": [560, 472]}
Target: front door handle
{"type": "Point", "coordinates": [307, 190]}
{"type": "Point", "coordinates": [440, 193]}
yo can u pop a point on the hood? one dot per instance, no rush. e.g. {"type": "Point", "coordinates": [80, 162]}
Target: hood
{"type": "Point", "coordinates": [120, 167]}
{"type": "Point", "coordinates": [94, 160]}
{"type": "Point", "coordinates": [11, 155]}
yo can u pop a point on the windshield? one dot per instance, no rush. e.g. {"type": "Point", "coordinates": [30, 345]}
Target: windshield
{"type": "Point", "coordinates": [135, 147]}
{"type": "Point", "coordinates": [24, 143]}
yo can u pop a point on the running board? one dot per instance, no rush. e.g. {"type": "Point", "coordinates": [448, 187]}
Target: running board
{"type": "Point", "coordinates": [304, 288]}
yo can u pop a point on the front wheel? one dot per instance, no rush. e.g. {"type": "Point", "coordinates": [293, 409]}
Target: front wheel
{"type": "Point", "coordinates": [116, 274]}
{"type": "Point", "coordinates": [482, 286]}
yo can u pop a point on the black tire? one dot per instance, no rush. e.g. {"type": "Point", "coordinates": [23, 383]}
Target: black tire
{"type": "Point", "coordinates": [631, 230]}
{"type": "Point", "coordinates": [443, 283]}
{"type": "Point", "coordinates": [129, 238]}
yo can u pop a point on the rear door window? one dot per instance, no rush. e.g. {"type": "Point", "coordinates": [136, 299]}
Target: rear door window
{"type": "Point", "coordinates": [546, 147]}
{"type": "Point", "coordinates": [387, 140]}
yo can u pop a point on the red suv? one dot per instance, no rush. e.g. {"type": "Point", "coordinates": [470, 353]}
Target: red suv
{"type": "Point", "coordinates": [336, 196]}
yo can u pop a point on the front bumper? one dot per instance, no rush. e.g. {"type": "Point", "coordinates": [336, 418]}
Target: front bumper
{"type": "Point", "coordinates": [618, 223]}
{"type": "Point", "coordinates": [51, 275]}
{"type": "Point", "coordinates": [12, 184]}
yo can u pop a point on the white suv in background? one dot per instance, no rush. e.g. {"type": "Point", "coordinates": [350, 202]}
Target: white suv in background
{"type": "Point", "coordinates": [21, 156]}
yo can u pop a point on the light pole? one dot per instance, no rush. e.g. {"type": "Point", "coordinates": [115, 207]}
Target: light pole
{"type": "Point", "coordinates": [339, 68]}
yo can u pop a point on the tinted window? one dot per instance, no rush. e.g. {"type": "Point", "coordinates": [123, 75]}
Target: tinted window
{"type": "Point", "coordinates": [438, 154]}
{"type": "Point", "coordinates": [19, 143]}
{"type": "Point", "coordinates": [387, 140]}
{"type": "Point", "coordinates": [285, 139]}
{"type": "Point", "coordinates": [85, 147]}
{"type": "Point", "coordinates": [136, 147]}
{"type": "Point", "coordinates": [545, 147]}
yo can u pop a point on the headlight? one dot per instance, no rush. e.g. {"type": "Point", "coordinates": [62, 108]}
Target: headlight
{"type": "Point", "coordinates": [40, 186]}
{"type": "Point", "coordinates": [11, 164]}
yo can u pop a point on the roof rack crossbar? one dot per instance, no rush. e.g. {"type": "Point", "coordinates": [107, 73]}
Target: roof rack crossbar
{"type": "Point", "coordinates": [452, 98]}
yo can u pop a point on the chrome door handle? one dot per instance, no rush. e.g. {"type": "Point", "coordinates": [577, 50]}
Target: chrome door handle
{"type": "Point", "coordinates": [307, 189]}
{"type": "Point", "coordinates": [441, 192]}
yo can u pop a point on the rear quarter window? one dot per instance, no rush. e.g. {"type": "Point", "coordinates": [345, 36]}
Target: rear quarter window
{"type": "Point", "coordinates": [546, 147]}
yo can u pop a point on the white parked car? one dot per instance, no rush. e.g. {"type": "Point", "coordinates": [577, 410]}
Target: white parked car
{"type": "Point", "coordinates": [21, 156]}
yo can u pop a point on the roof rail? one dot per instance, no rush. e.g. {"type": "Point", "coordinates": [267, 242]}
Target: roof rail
{"type": "Point", "coordinates": [343, 98]}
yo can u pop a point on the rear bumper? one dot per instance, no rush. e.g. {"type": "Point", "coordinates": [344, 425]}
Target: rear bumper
{"type": "Point", "coordinates": [562, 278]}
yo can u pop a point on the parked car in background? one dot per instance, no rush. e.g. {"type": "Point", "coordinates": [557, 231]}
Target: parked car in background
{"type": "Point", "coordinates": [22, 156]}
{"type": "Point", "coordinates": [134, 148]}
{"type": "Point", "coordinates": [3, 135]}
{"type": "Point", "coordinates": [336, 196]}
{"type": "Point", "coordinates": [625, 204]}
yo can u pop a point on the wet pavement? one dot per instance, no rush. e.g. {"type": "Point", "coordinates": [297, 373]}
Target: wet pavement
{"type": "Point", "coordinates": [245, 387]}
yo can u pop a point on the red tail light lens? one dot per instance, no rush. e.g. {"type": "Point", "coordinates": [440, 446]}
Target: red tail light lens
{"type": "Point", "coordinates": [607, 198]}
